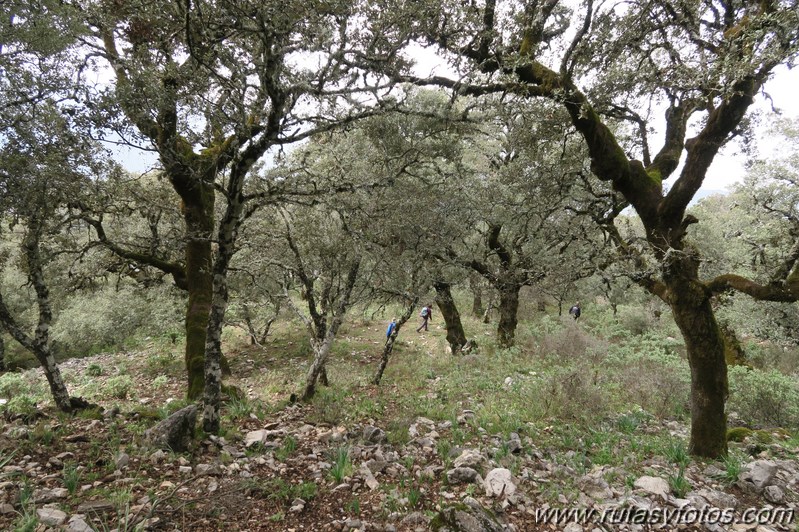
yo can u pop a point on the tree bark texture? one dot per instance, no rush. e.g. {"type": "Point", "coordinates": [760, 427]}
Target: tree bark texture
{"type": "Point", "coordinates": [389, 346]}
{"type": "Point", "coordinates": [226, 238]}
{"type": "Point", "coordinates": [322, 348]}
{"type": "Point", "coordinates": [39, 344]}
{"type": "Point", "coordinates": [456, 337]}
{"type": "Point", "coordinates": [690, 303]}
{"type": "Point", "coordinates": [508, 315]}
{"type": "Point", "coordinates": [198, 214]}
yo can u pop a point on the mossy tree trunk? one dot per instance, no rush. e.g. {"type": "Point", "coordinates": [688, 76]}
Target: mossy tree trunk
{"type": "Point", "coordinates": [508, 315]}
{"type": "Point", "coordinates": [508, 279]}
{"type": "Point", "coordinates": [198, 214]}
{"type": "Point", "coordinates": [456, 337]}
{"type": "Point", "coordinates": [690, 303]}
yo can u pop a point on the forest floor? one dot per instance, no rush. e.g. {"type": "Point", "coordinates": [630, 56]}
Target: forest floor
{"type": "Point", "coordinates": [366, 457]}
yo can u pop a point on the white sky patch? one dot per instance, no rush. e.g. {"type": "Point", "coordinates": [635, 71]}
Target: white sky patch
{"type": "Point", "coordinates": [728, 167]}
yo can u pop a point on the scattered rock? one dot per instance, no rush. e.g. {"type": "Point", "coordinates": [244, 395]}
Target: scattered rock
{"type": "Point", "coordinates": [47, 495]}
{"type": "Point", "coordinates": [255, 437]}
{"type": "Point", "coordinates": [368, 477]}
{"type": "Point", "coordinates": [653, 485]}
{"type": "Point", "coordinates": [51, 516]}
{"type": "Point", "coordinates": [78, 524]}
{"type": "Point", "coordinates": [157, 457]}
{"type": "Point", "coordinates": [175, 432]}
{"type": "Point", "coordinates": [373, 435]}
{"type": "Point", "coordinates": [122, 460]}
{"type": "Point", "coordinates": [337, 434]}
{"type": "Point", "coordinates": [719, 499]}
{"type": "Point", "coordinates": [465, 417]}
{"type": "Point", "coordinates": [514, 444]}
{"type": "Point", "coordinates": [297, 505]}
{"type": "Point", "coordinates": [208, 469]}
{"type": "Point", "coordinates": [414, 520]}
{"type": "Point", "coordinates": [96, 507]}
{"type": "Point", "coordinates": [757, 475]}
{"type": "Point", "coordinates": [376, 466]}
{"type": "Point", "coordinates": [420, 427]}
{"type": "Point", "coordinates": [595, 487]}
{"type": "Point", "coordinates": [462, 475]}
{"type": "Point", "coordinates": [774, 494]}
{"type": "Point", "coordinates": [468, 516]}
{"type": "Point", "coordinates": [470, 458]}
{"type": "Point", "coordinates": [499, 482]}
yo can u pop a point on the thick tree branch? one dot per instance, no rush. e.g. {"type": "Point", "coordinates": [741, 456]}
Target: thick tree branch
{"type": "Point", "coordinates": [702, 149]}
{"type": "Point", "coordinates": [787, 293]}
{"type": "Point", "coordinates": [176, 270]}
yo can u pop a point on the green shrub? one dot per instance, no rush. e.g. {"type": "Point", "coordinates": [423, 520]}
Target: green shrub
{"type": "Point", "coordinates": [71, 478]}
{"type": "Point", "coordinates": [118, 386]}
{"type": "Point", "coordinates": [21, 405]}
{"type": "Point", "coordinates": [95, 321]}
{"type": "Point", "coordinates": [679, 484]}
{"type": "Point", "coordinates": [576, 393]}
{"type": "Point", "coordinates": [650, 373]}
{"type": "Point", "coordinates": [94, 370]}
{"type": "Point", "coordinates": [12, 384]}
{"type": "Point", "coordinates": [766, 398]}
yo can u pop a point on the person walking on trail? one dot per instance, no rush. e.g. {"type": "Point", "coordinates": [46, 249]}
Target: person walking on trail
{"type": "Point", "coordinates": [391, 327]}
{"type": "Point", "coordinates": [575, 311]}
{"type": "Point", "coordinates": [426, 314]}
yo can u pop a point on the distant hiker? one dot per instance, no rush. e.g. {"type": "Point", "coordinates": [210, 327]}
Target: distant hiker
{"type": "Point", "coordinates": [575, 311]}
{"type": "Point", "coordinates": [391, 327]}
{"type": "Point", "coordinates": [426, 314]}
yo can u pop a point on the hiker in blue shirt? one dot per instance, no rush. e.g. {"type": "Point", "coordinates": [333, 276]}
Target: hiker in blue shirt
{"type": "Point", "coordinates": [391, 327]}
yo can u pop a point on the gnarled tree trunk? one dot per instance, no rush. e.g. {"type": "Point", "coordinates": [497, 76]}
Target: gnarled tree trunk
{"type": "Point", "coordinates": [690, 303]}
{"type": "Point", "coordinates": [39, 344]}
{"type": "Point", "coordinates": [508, 315]}
{"type": "Point", "coordinates": [452, 318]}
{"type": "Point", "coordinates": [213, 334]}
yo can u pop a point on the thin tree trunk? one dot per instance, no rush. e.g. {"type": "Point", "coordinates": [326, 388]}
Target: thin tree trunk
{"type": "Point", "coordinates": [322, 349]}
{"type": "Point", "coordinates": [321, 352]}
{"type": "Point", "coordinates": [213, 340]}
{"type": "Point", "coordinates": [2, 354]}
{"type": "Point", "coordinates": [508, 311]}
{"type": "Point", "coordinates": [452, 318]}
{"type": "Point", "coordinates": [477, 291]}
{"type": "Point", "coordinates": [39, 345]}
{"type": "Point", "coordinates": [389, 346]}
{"type": "Point", "coordinates": [487, 313]}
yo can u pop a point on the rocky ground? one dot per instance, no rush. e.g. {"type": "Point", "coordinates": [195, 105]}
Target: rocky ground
{"type": "Point", "coordinates": [287, 470]}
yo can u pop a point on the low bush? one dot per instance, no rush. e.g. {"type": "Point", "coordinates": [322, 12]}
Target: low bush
{"type": "Point", "coordinates": [764, 398]}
